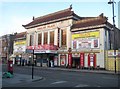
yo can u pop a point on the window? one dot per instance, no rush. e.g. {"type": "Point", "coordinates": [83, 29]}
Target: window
{"type": "Point", "coordinates": [31, 40]}
{"type": "Point", "coordinates": [52, 37]}
{"type": "Point", "coordinates": [39, 39]}
{"type": "Point", "coordinates": [63, 37]}
{"type": "Point", "coordinates": [45, 37]}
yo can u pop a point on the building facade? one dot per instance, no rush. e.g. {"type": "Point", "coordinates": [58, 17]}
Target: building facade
{"type": "Point", "coordinates": [6, 46]}
{"type": "Point", "coordinates": [90, 39]}
{"type": "Point", "coordinates": [20, 48]}
{"type": "Point", "coordinates": [52, 37]}
{"type": "Point", "coordinates": [68, 40]}
{"type": "Point", "coordinates": [0, 48]}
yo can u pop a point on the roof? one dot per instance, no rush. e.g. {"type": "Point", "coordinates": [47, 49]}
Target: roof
{"type": "Point", "coordinates": [53, 16]}
{"type": "Point", "coordinates": [90, 22]}
{"type": "Point", "coordinates": [20, 35]}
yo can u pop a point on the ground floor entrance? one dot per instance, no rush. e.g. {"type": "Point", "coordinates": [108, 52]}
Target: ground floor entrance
{"type": "Point", "coordinates": [46, 60]}
{"type": "Point", "coordinates": [79, 60]}
{"type": "Point", "coordinates": [75, 62]}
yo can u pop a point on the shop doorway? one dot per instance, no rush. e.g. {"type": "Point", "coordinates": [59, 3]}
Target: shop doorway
{"type": "Point", "coordinates": [51, 61]}
{"type": "Point", "coordinates": [75, 62]}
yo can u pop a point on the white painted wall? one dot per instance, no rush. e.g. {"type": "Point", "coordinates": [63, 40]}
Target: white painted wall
{"type": "Point", "coordinates": [100, 56]}
{"type": "Point", "coordinates": [55, 36]}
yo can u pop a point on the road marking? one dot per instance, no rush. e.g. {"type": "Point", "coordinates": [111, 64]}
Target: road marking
{"type": "Point", "coordinates": [58, 82]}
{"type": "Point", "coordinates": [108, 78]}
{"type": "Point", "coordinates": [98, 86]}
{"type": "Point", "coordinates": [82, 85]}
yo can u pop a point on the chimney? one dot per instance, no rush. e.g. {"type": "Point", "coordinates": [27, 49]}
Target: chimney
{"type": "Point", "coordinates": [33, 18]}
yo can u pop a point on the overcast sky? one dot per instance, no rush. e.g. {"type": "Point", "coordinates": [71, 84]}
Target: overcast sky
{"type": "Point", "coordinates": [14, 14]}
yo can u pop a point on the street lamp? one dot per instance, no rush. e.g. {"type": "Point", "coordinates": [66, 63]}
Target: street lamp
{"type": "Point", "coordinates": [112, 2]}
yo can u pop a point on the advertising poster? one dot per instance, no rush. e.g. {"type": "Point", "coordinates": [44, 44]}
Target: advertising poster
{"type": "Point", "coordinates": [55, 60]}
{"type": "Point", "coordinates": [74, 44]}
{"type": "Point", "coordinates": [92, 60]}
{"type": "Point", "coordinates": [86, 40]}
{"type": "Point", "coordinates": [62, 59]}
{"type": "Point", "coordinates": [20, 46]}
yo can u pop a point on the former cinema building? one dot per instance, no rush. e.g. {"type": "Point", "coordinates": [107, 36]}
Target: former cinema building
{"type": "Point", "coordinates": [65, 39]}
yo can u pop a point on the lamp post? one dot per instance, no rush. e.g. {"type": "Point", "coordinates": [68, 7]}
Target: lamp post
{"type": "Point", "coordinates": [32, 62]}
{"type": "Point", "coordinates": [113, 2]}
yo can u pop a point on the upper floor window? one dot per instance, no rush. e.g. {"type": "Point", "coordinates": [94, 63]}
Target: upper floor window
{"type": "Point", "coordinates": [45, 37]}
{"type": "Point", "coordinates": [31, 40]}
{"type": "Point", "coordinates": [52, 37]}
{"type": "Point", "coordinates": [63, 37]}
{"type": "Point", "coordinates": [39, 38]}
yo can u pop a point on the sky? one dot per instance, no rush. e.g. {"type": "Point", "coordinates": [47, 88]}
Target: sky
{"type": "Point", "coordinates": [14, 14]}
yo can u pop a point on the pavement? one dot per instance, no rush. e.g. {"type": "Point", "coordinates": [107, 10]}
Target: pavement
{"type": "Point", "coordinates": [23, 78]}
{"type": "Point", "coordinates": [19, 79]}
{"type": "Point", "coordinates": [79, 70]}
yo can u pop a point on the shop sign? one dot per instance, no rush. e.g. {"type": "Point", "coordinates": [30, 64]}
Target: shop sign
{"type": "Point", "coordinates": [43, 47]}
{"type": "Point", "coordinates": [20, 42]}
{"type": "Point", "coordinates": [39, 51]}
{"type": "Point", "coordinates": [75, 55]}
{"type": "Point", "coordinates": [51, 51]}
{"type": "Point", "coordinates": [50, 26]}
{"type": "Point", "coordinates": [82, 59]}
{"type": "Point", "coordinates": [29, 51]}
{"type": "Point", "coordinates": [19, 48]}
{"type": "Point", "coordinates": [85, 35]}
{"type": "Point", "coordinates": [70, 59]}
{"type": "Point", "coordinates": [111, 53]}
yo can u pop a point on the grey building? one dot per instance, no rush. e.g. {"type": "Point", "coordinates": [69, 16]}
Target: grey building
{"type": "Point", "coordinates": [6, 46]}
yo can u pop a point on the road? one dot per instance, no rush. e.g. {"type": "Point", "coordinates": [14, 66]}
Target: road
{"type": "Point", "coordinates": [59, 78]}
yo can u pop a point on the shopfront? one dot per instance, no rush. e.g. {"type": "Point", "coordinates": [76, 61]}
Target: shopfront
{"type": "Point", "coordinates": [46, 55]}
{"type": "Point", "coordinates": [19, 51]}
{"type": "Point", "coordinates": [84, 49]}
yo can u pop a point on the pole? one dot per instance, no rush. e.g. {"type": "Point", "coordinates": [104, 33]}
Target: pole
{"type": "Point", "coordinates": [33, 65]}
{"type": "Point", "coordinates": [112, 2]}
{"type": "Point", "coordinates": [114, 35]}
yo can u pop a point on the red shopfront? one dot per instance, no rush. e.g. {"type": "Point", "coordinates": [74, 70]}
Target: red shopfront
{"type": "Point", "coordinates": [92, 60]}
{"type": "Point", "coordinates": [82, 58]}
{"type": "Point", "coordinates": [46, 55]}
{"type": "Point", "coordinates": [76, 61]}
{"type": "Point", "coordinates": [73, 61]}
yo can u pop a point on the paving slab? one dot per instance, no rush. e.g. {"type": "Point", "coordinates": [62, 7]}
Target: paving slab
{"type": "Point", "coordinates": [20, 79]}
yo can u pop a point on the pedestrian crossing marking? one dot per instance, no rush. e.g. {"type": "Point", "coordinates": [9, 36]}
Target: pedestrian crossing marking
{"type": "Point", "coordinates": [82, 85]}
{"type": "Point", "coordinates": [58, 82]}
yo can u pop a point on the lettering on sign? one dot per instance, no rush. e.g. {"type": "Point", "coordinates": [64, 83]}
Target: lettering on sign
{"type": "Point", "coordinates": [47, 26]}
{"type": "Point", "coordinates": [43, 47]}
